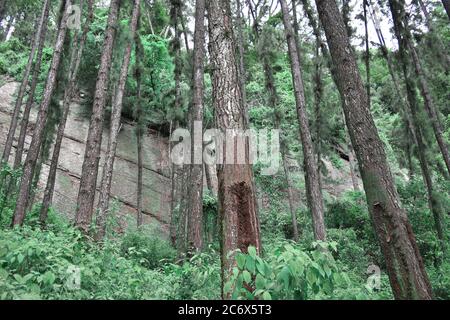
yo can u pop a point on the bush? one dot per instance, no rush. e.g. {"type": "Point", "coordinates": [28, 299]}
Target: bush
{"type": "Point", "coordinates": [147, 247]}
{"type": "Point", "coordinates": [36, 264]}
{"type": "Point", "coordinates": [289, 272]}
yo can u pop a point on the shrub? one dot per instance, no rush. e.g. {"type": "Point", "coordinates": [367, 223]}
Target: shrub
{"type": "Point", "coordinates": [148, 247]}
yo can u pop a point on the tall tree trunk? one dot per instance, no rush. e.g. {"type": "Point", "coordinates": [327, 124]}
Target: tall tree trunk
{"type": "Point", "coordinates": [446, 4]}
{"type": "Point", "coordinates": [421, 147]}
{"type": "Point", "coordinates": [405, 267]}
{"type": "Point", "coordinates": [182, 212]}
{"type": "Point", "coordinates": [239, 222]}
{"type": "Point", "coordinates": [139, 123]}
{"type": "Point", "coordinates": [33, 152]}
{"type": "Point", "coordinates": [351, 163]}
{"type": "Point", "coordinates": [400, 23]}
{"type": "Point", "coordinates": [195, 217]}
{"type": "Point", "coordinates": [105, 188]}
{"type": "Point", "coordinates": [2, 9]}
{"type": "Point", "coordinates": [438, 48]}
{"type": "Point", "coordinates": [23, 86]}
{"type": "Point", "coordinates": [318, 92]}
{"type": "Point", "coordinates": [86, 193]}
{"type": "Point", "coordinates": [326, 54]}
{"type": "Point", "coordinates": [185, 35]}
{"type": "Point", "coordinates": [400, 95]}
{"type": "Point", "coordinates": [240, 45]}
{"type": "Point", "coordinates": [313, 192]}
{"type": "Point", "coordinates": [76, 54]}
{"type": "Point", "coordinates": [208, 178]}
{"type": "Point", "coordinates": [30, 100]}
{"type": "Point", "coordinates": [177, 172]}
{"type": "Point", "coordinates": [273, 102]}
{"type": "Point", "coordinates": [367, 54]}
{"type": "Point", "coordinates": [296, 29]}
{"type": "Point", "coordinates": [346, 12]}
{"type": "Point", "coordinates": [295, 234]}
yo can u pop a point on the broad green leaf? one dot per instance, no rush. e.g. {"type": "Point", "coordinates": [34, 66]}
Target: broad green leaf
{"type": "Point", "coordinates": [284, 276]}
{"type": "Point", "coordinates": [310, 276]}
{"type": "Point", "coordinates": [247, 276]}
{"type": "Point", "coordinates": [20, 258]}
{"type": "Point", "coordinates": [267, 296]}
{"type": "Point", "coordinates": [240, 259]}
{"type": "Point", "coordinates": [252, 251]}
{"type": "Point", "coordinates": [260, 282]}
{"type": "Point", "coordinates": [250, 264]}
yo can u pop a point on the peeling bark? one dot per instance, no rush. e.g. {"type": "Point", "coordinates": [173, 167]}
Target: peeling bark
{"type": "Point", "coordinates": [239, 223]}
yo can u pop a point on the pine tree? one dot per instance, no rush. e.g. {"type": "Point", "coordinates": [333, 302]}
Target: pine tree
{"type": "Point", "coordinates": [36, 142]}
{"type": "Point", "coordinates": [86, 193]}
{"type": "Point", "coordinates": [313, 192]}
{"type": "Point", "coordinates": [416, 126]}
{"type": "Point", "coordinates": [24, 84]}
{"type": "Point", "coordinates": [75, 59]}
{"type": "Point", "coordinates": [195, 215]}
{"type": "Point", "coordinates": [30, 99]}
{"type": "Point", "coordinates": [239, 223]}
{"type": "Point", "coordinates": [105, 188]}
{"type": "Point", "coordinates": [404, 264]}
{"type": "Point", "coordinates": [399, 17]}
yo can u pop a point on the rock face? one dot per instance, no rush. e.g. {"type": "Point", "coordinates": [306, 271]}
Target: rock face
{"type": "Point", "coordinates": [156, 174]}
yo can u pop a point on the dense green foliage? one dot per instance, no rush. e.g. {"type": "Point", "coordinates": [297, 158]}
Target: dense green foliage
{"type": "Point", "coordinates": [37, 263]}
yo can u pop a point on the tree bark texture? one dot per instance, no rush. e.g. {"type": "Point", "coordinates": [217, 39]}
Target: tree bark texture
{"type": "Point", "coordinates": [404, 264]}
{"type": "Point", "coordinates": [86, 193]}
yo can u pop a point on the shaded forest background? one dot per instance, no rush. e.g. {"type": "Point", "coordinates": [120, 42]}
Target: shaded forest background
{"type": "Point", "coordinates": [407, 82]}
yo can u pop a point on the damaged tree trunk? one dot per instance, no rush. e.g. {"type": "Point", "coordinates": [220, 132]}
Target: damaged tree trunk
{"type": "Point", "coordinates": [404, 263]}
{"type": "Point", "coordinates": [86, 193]}
{"type": "Point", "coordinates": [239, 222]}
{"type": "Point", "coordinates": [313, 192]}
{"type": "Point", "coordinates": [116, 112]}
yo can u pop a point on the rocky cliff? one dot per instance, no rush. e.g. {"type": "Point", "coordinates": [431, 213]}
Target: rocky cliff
{"type": "Point", "coordinates": [156, 191]}
{"type": "Point", "coordinates": [156, 173]}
